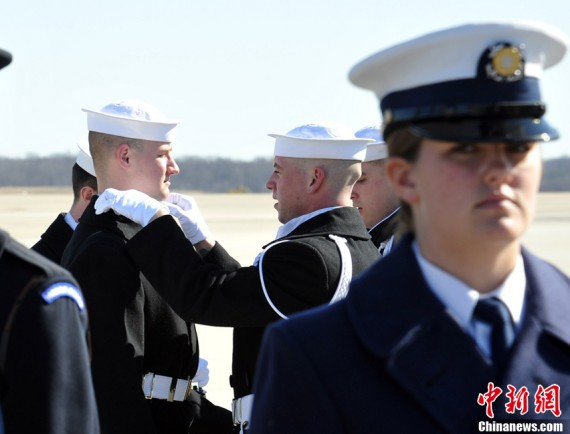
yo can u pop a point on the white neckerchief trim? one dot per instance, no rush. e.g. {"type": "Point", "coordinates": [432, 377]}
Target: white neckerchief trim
{"type": "Point", "coordinates": [460, 299]}
{"type": "Point", "coordinates": [384, 219]}
{"type": "Point", "coordinates": [70, 221]}
{"type": "Point", "coordinates": [343, 281]}
{"type": "Point", "coordinates": [293, 224]}
{"type": "Point", "coordinates": [384, 248]}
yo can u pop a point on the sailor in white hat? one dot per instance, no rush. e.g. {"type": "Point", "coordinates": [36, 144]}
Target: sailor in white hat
{"type": "Point", "coordinates": [320, 152]}
{"type": "Point", "coordinates": [145, 357]}
{"type": "Point", "coordinates": [84, 159]}
{"type": "Point", "coordinates": [322, 244]}
{"type": "Point", "coordinates": [460, 325]}
{"type": "Point", "coordinates": [137, 131]}
{"type": "Point", "coordinates": [84, 184]}
{"type": "Point", "coordinates": [373, 195]}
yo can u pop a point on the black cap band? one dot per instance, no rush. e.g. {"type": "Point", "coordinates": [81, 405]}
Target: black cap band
{"type": "Point", "coordinates": [5, 58]}
{"type": "Point", "coordinates": [470, 110]}
{"type": "Point", "coordinates": [493, 130]}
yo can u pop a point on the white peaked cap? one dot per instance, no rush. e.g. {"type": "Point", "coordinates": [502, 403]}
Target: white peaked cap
{"type": "Point", "coordinates": [133, 119]}
{"type": "Point", "coordinates": [452, 54]}
{"type": "Point", "coordinates": [320, 140]}
{"type": "Point", "coordinates": [84, 159]}
{"type": "Point", "coordinates": [376, 150]}
{"type": "Point", "coordinates": [476, 82]}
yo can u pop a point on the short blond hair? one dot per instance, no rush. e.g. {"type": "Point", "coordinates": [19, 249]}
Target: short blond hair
{"type": "Point", "coordinates": [103, 145]}
{"type": "Point", "coordinates": [339, 173]}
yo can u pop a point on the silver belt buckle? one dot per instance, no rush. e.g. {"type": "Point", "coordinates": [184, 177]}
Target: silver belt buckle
{"type": "Point", "coordinates": [234, 411]}
{"type": "Point", "coordinates": [165, 387]}
{"type": "Point", "coordinates": [238, 416]}
{"type": "Point", "coordinates": [149, 396]}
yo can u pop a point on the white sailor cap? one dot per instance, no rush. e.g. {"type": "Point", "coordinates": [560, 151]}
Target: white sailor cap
{"type": "Point", "coordinates": [84, 159]}
{"type": "Point", "coordinates": [320, 140]}
{"type": "Point", "coordinates": [376, 150]}
{"type": "Point", "coordinates": [369, 132]}
{"type": "Point", "coordinates": [133, 119]}
{"type": "Point", "coordinates": [476, 82]}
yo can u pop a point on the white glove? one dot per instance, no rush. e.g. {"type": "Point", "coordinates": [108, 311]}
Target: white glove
{"type": "Point", "coordinates": [186, 210]}
{"type": "Point", "coordinates": [184, 202]}
{"type": "Point", "coordinates": [202, 374]}
{"type": "Point", "coordinates": [132, 204]}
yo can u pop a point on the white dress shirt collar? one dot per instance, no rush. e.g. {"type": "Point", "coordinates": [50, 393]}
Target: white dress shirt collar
{"type": "Point", "coordinates": [70, 221]}
{"type": "Point", "coordinates": [460, 299]}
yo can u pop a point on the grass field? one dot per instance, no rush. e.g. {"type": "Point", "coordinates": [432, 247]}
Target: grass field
{"type": "Point", "coordinates": [243, 223]}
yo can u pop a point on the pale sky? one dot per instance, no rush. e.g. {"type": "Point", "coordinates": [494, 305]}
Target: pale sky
{"type": "Point", "coordinates": [232, 71]}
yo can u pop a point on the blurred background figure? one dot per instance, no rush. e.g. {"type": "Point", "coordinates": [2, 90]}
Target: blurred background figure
{"type": "Point", "coordinates": [84, 185]}
{"type": "Point", "coordinates": [45, 375]}
{"type": "Point", "coordinates": [373, 194]}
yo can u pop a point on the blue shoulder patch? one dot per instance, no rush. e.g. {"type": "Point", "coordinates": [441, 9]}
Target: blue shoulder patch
{"type": "Point", "coordinates": [63, 289]}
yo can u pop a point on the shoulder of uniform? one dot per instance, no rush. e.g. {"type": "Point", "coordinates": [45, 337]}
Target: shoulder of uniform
{"type": "Point", "coordinates": [294, 243]}
{"type": "Point", "coordinates": [32, 258]}
{"type": "Point", "coordinates": [300, 239]}
{"type": "Point", "coordinates": [314, 250]}
{"type": "Point", "coordinates": [49, 279]}
{"type": "Point", "coordinates": [320, 243]}
{"type": "Point", "coordinates": [57, 290]}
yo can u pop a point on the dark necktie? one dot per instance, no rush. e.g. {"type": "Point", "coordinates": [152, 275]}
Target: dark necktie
{"type": "Point", "coordinates": [493, 312]}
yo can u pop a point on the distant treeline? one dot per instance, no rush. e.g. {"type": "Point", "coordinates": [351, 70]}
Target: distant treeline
{"type": "Point", "coordinates": [212, 175]}
{"type": "Point", "coordinates": [215, 175]}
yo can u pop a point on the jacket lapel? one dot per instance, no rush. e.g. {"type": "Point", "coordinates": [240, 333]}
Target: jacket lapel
{"type": "Point", "coordinates": [546, 331]}
{"type": "Point", "coordinates": [400, 320]}
{"type": "Point", "coordinates": [384, 230]}
{"type": "Point", "coordinates": [448, 357]}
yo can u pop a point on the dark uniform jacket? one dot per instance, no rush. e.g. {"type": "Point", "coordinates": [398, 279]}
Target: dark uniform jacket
{"type": "Point", "coordinates": [299, 274]}
{"type": "Point", "coordinates": [45, 377]}
{"type": "Point", "coordinates": [383, 231]}
{"type": "Point", "coordinates": [390, 359]}
{"type": "Point", "coordinates": [134, 330]}
{"type": "Point", "coordinates": [53, 241]}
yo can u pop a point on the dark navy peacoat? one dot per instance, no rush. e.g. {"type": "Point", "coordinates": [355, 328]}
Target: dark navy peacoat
{"type": "Point", "coordinates": [53, 241]}
{"type": "Point", "coordinates": [134, 332]}
{"type": "Point", "coordinates": [390, 359]}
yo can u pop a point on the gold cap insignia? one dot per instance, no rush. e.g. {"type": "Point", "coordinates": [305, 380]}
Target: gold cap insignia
{"type": "Point", "coordinates": [505, 62]}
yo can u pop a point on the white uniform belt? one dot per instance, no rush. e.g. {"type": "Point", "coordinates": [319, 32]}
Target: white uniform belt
{"type": "Point", "coordinates": [162, 387]}
{"type": "Point", "coordinates": [241, 410]}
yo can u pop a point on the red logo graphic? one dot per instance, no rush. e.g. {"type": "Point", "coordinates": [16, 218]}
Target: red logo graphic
{"type": "Point", "coordinates": [488, 398]}
{"type": "Point", "coordinates": [517, 400]}
{"type": "Point", "coordinates": [545, 399]}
